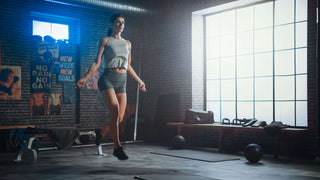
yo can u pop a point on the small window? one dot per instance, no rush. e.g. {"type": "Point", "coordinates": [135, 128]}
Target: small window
{"type": "Point", "coordinates": [57, 31]}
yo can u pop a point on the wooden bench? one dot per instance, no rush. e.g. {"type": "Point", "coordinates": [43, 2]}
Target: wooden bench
{"type": "Point", "coordinates": [17, 126]}
{"type": "Point", "coordinates": [230, 131]}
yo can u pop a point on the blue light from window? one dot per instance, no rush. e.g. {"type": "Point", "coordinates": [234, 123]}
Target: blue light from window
{"type": "Point", "coordinates": [57, 31]}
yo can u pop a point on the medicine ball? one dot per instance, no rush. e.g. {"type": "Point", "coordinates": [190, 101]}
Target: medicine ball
{"type": "Point", "coordinates": [253, 153]}
{"type": "Point", "coordinates": [178, 142]}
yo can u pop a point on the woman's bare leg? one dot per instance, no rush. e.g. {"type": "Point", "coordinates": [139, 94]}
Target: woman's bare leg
{"type": "Point", "coordinates": [111, 101]}
{"type": "Point", "coordinates": [122, 100]}
{"type": "Point", "coordinates": [117, 105]}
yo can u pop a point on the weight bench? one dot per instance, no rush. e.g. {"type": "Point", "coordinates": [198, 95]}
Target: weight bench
{"type": "Point", "coordinates": [287, 135]}
{"type": "Point", "coordinates": [26, 139]}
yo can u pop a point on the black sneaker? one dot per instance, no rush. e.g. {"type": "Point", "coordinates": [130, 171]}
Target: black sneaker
{"type": "Point", "coordinates": [119, 153]}
{"type": "Point", "coordinates": [99, 138]}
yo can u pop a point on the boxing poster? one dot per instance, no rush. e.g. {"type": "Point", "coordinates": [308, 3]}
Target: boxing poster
{"type": "Point", "coordinates": [37, 104]}
{"type": "Point", "coordinates": [48, 51]}
{"type": "Point", "coordinates": [10, 82]}
{"type": "Point", "coordinates": [40, 77]}
{"type": "Point", "coordinates": [54, 104]}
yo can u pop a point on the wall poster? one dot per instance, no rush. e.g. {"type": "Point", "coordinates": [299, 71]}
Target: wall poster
{"type": "Point", "coordinates": [54, 104]}
{"type": "Point", "coordinates": [37, 104]}
{"type": "Point", "coordinates": [40, 77]}
{"type": "Point", "coordinates": [67, 69]}
{"type": "Point", "coordinates": [47, 51]}
{"type": "Point", "coordinates": [10, 82]}
{"type": "Point", "coordinates": [69, 93]}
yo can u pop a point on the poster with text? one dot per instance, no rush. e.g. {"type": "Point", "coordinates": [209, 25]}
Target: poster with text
{"type": "Point", "coordinates": [40, 77]}
{"type": "Point", "coordinates": [67, 69]}
{"type": "Point", "coordinates": [10, 82]}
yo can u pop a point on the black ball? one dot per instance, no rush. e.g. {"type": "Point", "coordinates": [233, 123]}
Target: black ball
{"type": "Point", "coordinates": [253, 153]}
{"type": "Point", "coordinates": [178, 142]}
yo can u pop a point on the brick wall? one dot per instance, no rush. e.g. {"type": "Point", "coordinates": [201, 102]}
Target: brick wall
{"type": "Point", "coordinates": [162, 43]}
{"type": "Point", "coordinates": [87, 27]}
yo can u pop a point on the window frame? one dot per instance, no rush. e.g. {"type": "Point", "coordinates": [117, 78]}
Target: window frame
{"type": "Point", "coordinates": [274, 76]}
{"type": "Point", "coordinates": [53, 22]}
{"type": "Point", "coordinates": [73, 24]}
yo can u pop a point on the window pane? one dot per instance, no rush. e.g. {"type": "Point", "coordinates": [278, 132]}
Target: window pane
{"type": "Point", "coordinates": [264, 111]}
{"type": "Point", "coordinates": [228, 89]}
{"type": "Point", "coordinates": [263, 15]}
{"type": "Point", "coordinates": [284, 62]}
{"type": "Point", "coordinates": [215, 108]}
{"type": "Point", "coordinates": [301, 10]}
{"type": "Point", "coordinates": [228, 110]}
{"type": "Point", "coordinates": [284, 37]}
{"type": "Point", "coordinates": [227, 44]}
{"type": "Point", "coordinates": [228, 22]}
{"type": "Point", "coordinates": [284, 88]}
{"type": "Point", "coordinates": [301, 60]}
{"type": "Point", "coordinates": [301, 88]}
{"type": "Point", "coordinates": [263, 40]}
{"type": "Point", "coordinates": [213, 48]}
{"type": "Point", "coordinates": [302, 115]}
{"type": "Point", "coordinates": [284, 112]}
{"type": "Point", "coordinates": [56, 31]}
{"type": "Point", "coordinates": [245, 110]}
{"type": "Point", "coordinates": [264, 88]}
{"type": "Point", "coordinates": [257, 63]}
{"type": "Point", "coordinates": [264, 64]}
{"type": "Point", "coordinates": [245, 66]}
{"type": "Point", "coordinates": [212, 25]}
{"type": "Point", "coordinates": [41, 28]}
{"type": "Point", "coordinates": [245, 19]}
{"type": "Point", "coordinates": [227, 68]}
{"type": "Point", "coordinates": [301, 34]}
{"type": "Point", "coordinates": [213, 90]}
{"type": "Point", "coordinates": [213, 69]}
{"type": "Point", "coordinates": [245, 43]}
{"type": "Point", "coordinates": [60, 31]}
{"type": "Point", "coordinates": [245, 89]}
{"type": "Point", "coordinates": [284, 11]}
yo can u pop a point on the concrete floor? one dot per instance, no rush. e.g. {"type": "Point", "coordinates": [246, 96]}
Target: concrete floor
{"type": "Point", "coordinates": [82, 163]}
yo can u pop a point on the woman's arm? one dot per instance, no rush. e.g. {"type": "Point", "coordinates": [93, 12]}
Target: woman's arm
{"type": "Point", "coordinates": [133, 74]}
{"type": "Point", "coordinates": [96, 64]}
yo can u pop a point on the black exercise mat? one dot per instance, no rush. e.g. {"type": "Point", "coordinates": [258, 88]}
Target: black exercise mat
{"type": "Point", "coordinates": [196, 155]}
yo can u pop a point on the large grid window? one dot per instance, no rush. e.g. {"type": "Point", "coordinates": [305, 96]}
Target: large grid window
{"type": "Point", "coordinates": [256, 60]}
